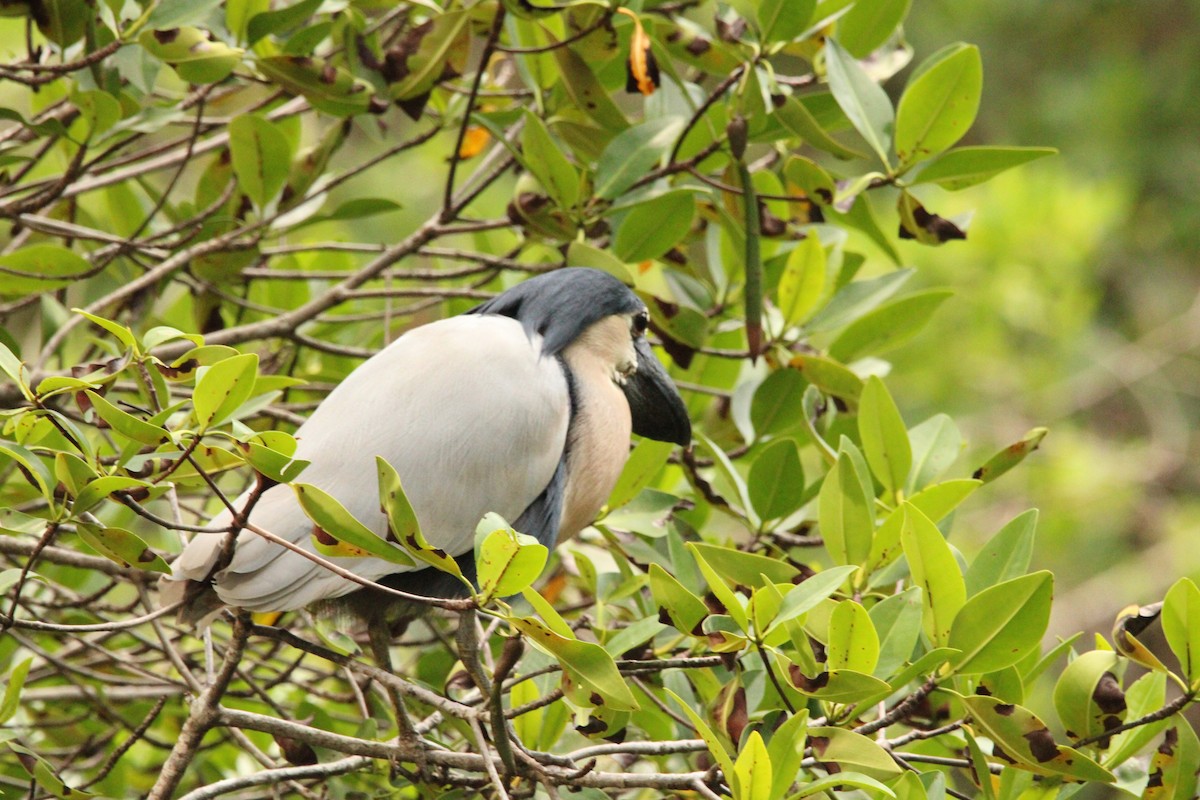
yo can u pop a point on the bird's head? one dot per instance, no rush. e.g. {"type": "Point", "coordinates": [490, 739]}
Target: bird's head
{"type": "Point", "coordinates": [578, 304]}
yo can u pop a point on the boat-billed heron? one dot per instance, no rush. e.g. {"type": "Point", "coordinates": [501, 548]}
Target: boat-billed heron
{"type": "Point", "coordinates": [522, 406]}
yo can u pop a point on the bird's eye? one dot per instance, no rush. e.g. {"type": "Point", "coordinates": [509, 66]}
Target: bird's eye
{"type": "Point", "coordinates": [641, 321]}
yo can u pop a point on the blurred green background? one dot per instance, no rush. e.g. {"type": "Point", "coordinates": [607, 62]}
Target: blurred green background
{"type": "Point", "coordinates": [1076, 304]}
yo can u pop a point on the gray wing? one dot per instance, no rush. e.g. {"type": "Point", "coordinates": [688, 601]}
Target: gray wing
{"type": "Point", "coordinates": [467, 410]}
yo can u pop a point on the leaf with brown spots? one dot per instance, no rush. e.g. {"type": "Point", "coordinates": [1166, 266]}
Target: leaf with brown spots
{"type": "Point", "coordinates": [925, 226]}
{"type": "Point", "coordinates": [122, 546]}
{"type": "Point", "coordinates": [403, 526]}
{"type": "Point", "coordinates": [1087, 694]}
{"type": "Point", "coordinates": [336, 532]}
{"type": "Point", "coordinates": [841, 750]}
{"type": "Point", "coordinates": [1024, 737]}
{"type": "Point", "coordinates": [1172, 770]}
{"type": "Point", "coordinates": [641, 68]}
{"type": "Point", "coordinates": [1130, 623]}
{"type": "Point", "coordinates": [587, 663]}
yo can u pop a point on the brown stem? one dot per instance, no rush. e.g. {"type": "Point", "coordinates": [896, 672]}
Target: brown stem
{"type": "Point", "coordinates": [203, 714]}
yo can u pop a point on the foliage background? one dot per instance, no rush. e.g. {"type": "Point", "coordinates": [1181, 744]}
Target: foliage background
{"type": "Point", "coordinates": [1077, 302]}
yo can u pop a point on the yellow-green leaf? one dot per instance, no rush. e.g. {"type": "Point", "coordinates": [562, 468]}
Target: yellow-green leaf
{"type": "Point", "coordinates": [935, 570]}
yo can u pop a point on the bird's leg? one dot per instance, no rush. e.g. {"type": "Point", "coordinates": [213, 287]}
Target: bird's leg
{"type": "Point", "coordinates": [468, 653]}
{"type": "Point", "coordinates": [380, 640]}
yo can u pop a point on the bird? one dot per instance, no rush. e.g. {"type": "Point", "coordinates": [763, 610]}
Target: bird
{"type": "Point", "coordinates": [523, 406]}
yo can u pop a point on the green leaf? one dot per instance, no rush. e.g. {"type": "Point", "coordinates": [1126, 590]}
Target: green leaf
{"type": "Point", "coordinates": [1002, 624]}
{"type": "Point", "coordinates": [359, 208]}
{"type": "Point", "coordinates": [866, 26]}
{"type": "Point", "coordinates": [546, 161]}
{"type": "Point", "coordinates": [744, 569]}
{"type": "Point", "coordinates": [853, 752]}
{"type": "Point", "coordinates": [1181, 625]}
{"type": "Point", "coordinates": [589, 96]}
{"type": "Point", "coordinates": [1010, 456]}
{"type": "Point", "coordinates": [40, 268]}
{"type": "Point", "coordinates": [897, 621]}
{"type": "Point", "coordinates": [845, 513]}
{"type": "Point", "coordinates": [866, 104]}
{"type": "Point", "coordinates": [647, 514]}
{"type": "Point", "coordinates": [811, 178]}
{"type": "Point", "coordinates": [840, 781]}
{"type": "Point", "coordinates": [125, 423]}
{"type": "Point", "coordinates": [935, 570]}
{"type": "Point", "coordinates": [582, 254]}
{"type": "Point", "coordinates": [12, 366]}
{"type": "Point", "coordinates": [936, 444]}
{"type": "Point", "coordinates": [632, 153]}
{"type": "Point", "coordinates": [40, 770]}
{"type": "Point", "coordinates": [884, 437]}
{"type": "Point", "coordinates": [403, 525]}
{"type": "Point", "coordinates": [967, 166]}
{"type": "Point", "coordinates": [831, 377]}
{"type": "Point", "coordinates": [160, 334]}
{"type": "Point", "coordinates": [724, 595]}
{"type": "Point", "coordinates": [752, 771]}
{"type": "Point", "coordinates": [193, 53]}
{"type": "Point", "coordinates": [73, 473]}
{"type": "Point", "coordinates": [587, 663]}
{"type": "Point", "coordinates": [506, 562]}
{"type": "Point", "coordinates": [123, 547]}
{"type": "Point", "coordinates": [725, 469]}
{"type": "Point", "coordinates": [1079, 688]}
{"type": "Point", "coordinates": [95, 491]}
{"type": "Point", "coordinates": [855, 299]}
{"type": "Point", "coordinates": [802, 283]}
{"type": "Point", "coordinates": [786, 750]}
{"type": "Point", "coordinates": [806, 596]}
{"type": "Point", "coordinates": [861, 217]}
{"type": "Point", "coordinates": [889, 326]}
{"type": "Point", "coordinates": [940, 103]}
{"type": "Point", "coordinates": [268, 22]}
{"type": "Point", "coordinates": [940, 499]}
{"type": "Point", "coordinates": [12, 690]}
{"type": "Point", "coordinates": [652, 227]}
{"type": "Point", "coordinates": [261, 157]}
{"type": "Point", "coordinates": [853, 642]}
{"type": "Point", "coordinates": [270, 453]}
{"type": "Point", "coordinates": [63, 22]}
{"type": "Point", "coordinates": [63, 384]}
{"type": "Point", "coordinates": [645, 461]}
{"type": "Point", "coordinates": [783, 20]}
{"type": "Point", "coordinates": [685, 609]}
{"type": "Point", "coordinates": [776, 407]}
{"type": "Point", "coordinates": [33, 468]}
{"type": "Point", "coordinates": [223, 388]}
{"type": "Point", "coordinates": [239, 12]}
{"type": "Point", "coordinates": [1026, 738]}
{"type": "Point", "coordinates": [326, 87]}
{"type": "Point", "coordinates": [796, 117]}
{"type": "Point", "coordinates": [338, 533]}
{"type": "Point", "coordinates": [980, 768]}
{"type": "Point", "coordinates": [1006, 555]}
{"type": "Point", "coordinates": [776, 483]}
{"type": "Point", "coordinates": [549, 615]}
{"type": "Point", "coordinates": [716, 747]}
{"type": "Point", "coordinates": [100, 109]}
